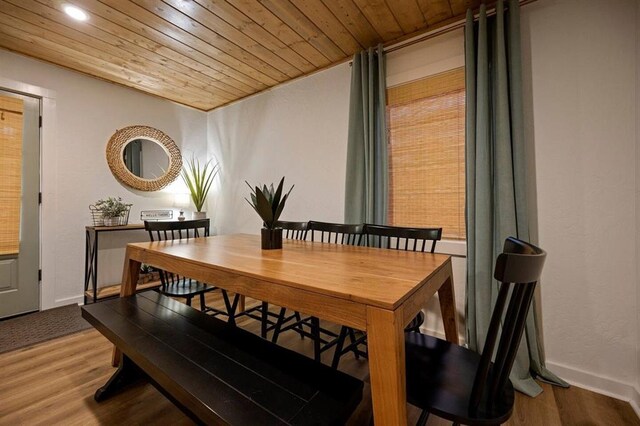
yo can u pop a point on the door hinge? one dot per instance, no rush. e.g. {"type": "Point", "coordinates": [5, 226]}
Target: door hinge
{"type": "Point", "coordinates": [39, 274]}
{"type": "Point", "coordinates": [39, 197]}
{"type": "Point", "coordinates": [40, 121]}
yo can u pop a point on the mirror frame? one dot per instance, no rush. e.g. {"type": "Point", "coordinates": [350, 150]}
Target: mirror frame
{"type": "Point", "coordinates": [115, 150]}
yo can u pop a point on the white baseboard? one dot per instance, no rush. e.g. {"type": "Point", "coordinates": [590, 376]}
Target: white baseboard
{"type": "Point", "coordinates": [599, 384]}
{"type": "Point", "coordinates": [435, 333]}
{"type": "Point", "coordinates": [440, 334]}
{"type": "Point", "coordinates": [68, 301]}
{"type": "Point", "coordinates": [635, 400]}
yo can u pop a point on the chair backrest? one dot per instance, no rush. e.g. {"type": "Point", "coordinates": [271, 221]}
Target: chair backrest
{"type": "Point", "coordinates": [337, 233]}
{"type": "Point", "coordinates": [185, 230]}
{"type": "Point", "coordinates": [518, 268]}
{"type": "Point", "coordinates": [160, 231]}
{"type": "Point", "coordinates": [401, 238]}
{"type": "Point", "coordinates": [293, 230]}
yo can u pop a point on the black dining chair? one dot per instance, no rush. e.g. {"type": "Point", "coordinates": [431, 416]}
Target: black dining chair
{"type": "Point", "coordinates": [174, 285]}
{"type": "Point", "coordinates": [403, 238]}
{"type": "Point", "coordinates": [460, 385]}
{"type": "Point", "coordinates": [336, 233]}
{"type": "Point", "coordinates": [279, 323]}
{"type": "Point", "coordinates": [293, 230]}
{"type": "Point", "coordinates": [394, 238]}
{"type": "Point", "coordinates": [284, 322]}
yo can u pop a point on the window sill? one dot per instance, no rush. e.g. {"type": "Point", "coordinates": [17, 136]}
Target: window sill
{"type": "Point", "coordinates": [452, 247]}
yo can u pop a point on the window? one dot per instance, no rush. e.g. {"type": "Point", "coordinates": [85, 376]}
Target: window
{"type": "Point", "coordinates": [11, 110]}
{"type": "Point", "coordinates": [426, 121]}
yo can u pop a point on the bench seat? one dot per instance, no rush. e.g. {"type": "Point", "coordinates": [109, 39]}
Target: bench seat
{"type": "Point", "coordinates": [217, 373]}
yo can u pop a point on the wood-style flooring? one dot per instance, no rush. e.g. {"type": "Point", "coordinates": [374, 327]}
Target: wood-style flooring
{"type": "Point", "coordinates": [53, 383]}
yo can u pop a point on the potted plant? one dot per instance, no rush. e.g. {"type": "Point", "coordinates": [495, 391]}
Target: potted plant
{"type": "Point", "coordinates": [198, 179]}
{"type": "Point", "coordinates": [269, 203]}
{"type": "Point", "coordinates": [114, 212]}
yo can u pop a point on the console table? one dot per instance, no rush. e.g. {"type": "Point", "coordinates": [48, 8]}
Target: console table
{"type": "Point", "coordinates": [92, 234]}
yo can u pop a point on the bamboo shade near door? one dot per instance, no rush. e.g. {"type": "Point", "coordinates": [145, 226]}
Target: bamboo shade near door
{"type": "Point", "coordinates": [11, 110]}
{"type": "Point", "coordinates": [426, 153]}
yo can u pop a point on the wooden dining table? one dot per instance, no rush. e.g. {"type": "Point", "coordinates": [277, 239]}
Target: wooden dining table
{"type": "Point", "coordinates": [375, 290]}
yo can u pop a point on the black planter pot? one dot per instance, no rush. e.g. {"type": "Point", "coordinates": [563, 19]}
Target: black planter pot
{"type": "Point", "coordinates": [271, 238]}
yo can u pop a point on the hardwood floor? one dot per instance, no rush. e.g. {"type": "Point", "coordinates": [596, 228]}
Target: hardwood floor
{"type": "Point", "coordinates": [53, 383]}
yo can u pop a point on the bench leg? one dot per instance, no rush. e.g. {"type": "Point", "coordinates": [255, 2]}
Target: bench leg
{"type": "Point", "coordinates": [126, 374]}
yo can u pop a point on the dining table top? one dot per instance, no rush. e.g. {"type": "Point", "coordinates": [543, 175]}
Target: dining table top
{"type": "Point", "coordinates": [366, 275]}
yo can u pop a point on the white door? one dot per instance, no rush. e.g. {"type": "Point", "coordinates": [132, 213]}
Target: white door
{"type": "Point", "coordinates": [19, 204]}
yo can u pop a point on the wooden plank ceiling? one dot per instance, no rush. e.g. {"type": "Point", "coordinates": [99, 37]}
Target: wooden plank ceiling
{"type": "Point", "coordinates": [207, 53]}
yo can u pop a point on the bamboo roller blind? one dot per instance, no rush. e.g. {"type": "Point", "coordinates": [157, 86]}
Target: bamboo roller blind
{"type": "Point", "coordinates": [11, 110]}
{"type": "Point", "coordinates": [426, 153]}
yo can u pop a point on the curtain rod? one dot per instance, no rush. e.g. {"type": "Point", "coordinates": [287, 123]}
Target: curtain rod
{"type": "Point", "coordinates": [460, 23]}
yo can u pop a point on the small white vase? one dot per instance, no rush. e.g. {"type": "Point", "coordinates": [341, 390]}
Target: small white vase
{"type": "Point", "coordinates": [199, 215]}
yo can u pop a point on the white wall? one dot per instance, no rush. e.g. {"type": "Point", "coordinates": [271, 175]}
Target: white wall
{"type": "Point", "coordinates": [580, 56]}
{"type": "Point", "coordinates": [296, 130]}
{"type": "Point", "coordinates": [80, 115]}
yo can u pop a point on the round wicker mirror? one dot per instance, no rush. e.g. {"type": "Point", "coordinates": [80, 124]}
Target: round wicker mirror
{"type": "Point", "coordinates": [126, 165]}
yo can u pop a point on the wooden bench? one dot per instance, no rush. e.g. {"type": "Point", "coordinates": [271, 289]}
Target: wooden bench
{"type": "Point", "coordinates": [217, 373]}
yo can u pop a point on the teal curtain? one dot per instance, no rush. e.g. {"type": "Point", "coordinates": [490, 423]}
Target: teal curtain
{"type": "Point", "coordinates": [496, 178]}
{"type": "Point", "coordinates": [366, 192]}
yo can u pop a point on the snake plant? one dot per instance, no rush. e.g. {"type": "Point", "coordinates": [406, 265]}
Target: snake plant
{"type": "Point", "coordinates": [198, 179]}
{"type": "Point", "coordinates": [268, 202]}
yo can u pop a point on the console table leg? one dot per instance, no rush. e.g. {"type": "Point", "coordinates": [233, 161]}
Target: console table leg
{"type": "Point", "coordinates": [95, 267]}
{"type": "Point", "coordinates": [87, 245]}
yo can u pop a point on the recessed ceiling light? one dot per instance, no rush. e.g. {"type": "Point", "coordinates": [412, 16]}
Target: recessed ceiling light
{"type": "Point", "coordinates": [75, 12]}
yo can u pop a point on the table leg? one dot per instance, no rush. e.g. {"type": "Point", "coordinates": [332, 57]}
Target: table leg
{"type": "Point", "coordinates": [447, 299]}
{"type": "Point", "coordinates": [385, 339]}
{"type": "Point", "coordinates": [130, 274]}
